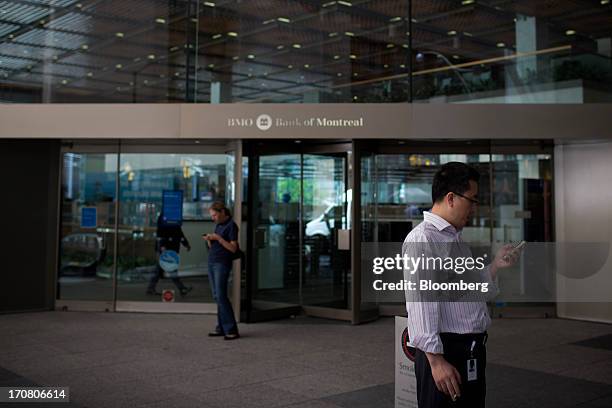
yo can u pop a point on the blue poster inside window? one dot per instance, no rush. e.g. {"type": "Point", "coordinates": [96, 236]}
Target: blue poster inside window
{"type": "Point", "coordinates": [89, 217]}
{"type": "Point", "coordinates": [172, 207]}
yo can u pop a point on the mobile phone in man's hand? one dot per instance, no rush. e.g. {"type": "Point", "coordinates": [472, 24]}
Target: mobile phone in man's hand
{"type": "Point", "coordinates": [515, 249]}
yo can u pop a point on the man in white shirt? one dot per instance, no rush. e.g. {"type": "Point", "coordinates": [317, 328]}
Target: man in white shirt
{"type": "Point", "coordinates": [450, 336]}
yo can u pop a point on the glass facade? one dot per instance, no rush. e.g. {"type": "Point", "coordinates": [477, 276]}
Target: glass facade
{"type": "Point", "coordinates": [89, 267]}
{"type": "Point", "coordinates": [515, 197]}
{"type": "Point", "coordinates": [294, 51]}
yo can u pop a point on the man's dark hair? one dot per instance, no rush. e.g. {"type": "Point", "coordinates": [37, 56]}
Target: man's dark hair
{"type": "Point", "coordinates": [453, 177]}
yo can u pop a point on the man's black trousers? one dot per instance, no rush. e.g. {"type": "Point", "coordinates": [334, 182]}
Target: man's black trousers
{"type": "Point", "coordinates": [457, 351]}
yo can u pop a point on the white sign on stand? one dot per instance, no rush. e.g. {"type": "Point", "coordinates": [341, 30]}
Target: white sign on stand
{"type": "Point", "coordinates": [405, 378]}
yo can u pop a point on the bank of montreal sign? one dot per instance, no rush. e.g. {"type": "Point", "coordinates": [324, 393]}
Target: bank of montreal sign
{"type": "Point", "coordinates": [265, 122]}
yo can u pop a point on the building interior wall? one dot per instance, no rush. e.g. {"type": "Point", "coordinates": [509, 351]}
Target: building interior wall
{"type": "Point", "coordinates": [584, 215]}
{"type": "Point", "coordinates": [29, 203]}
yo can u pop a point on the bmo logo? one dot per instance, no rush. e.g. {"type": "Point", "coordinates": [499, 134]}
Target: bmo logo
{"type": "Point", "coordinates": [263, 122]}
{"type": "Point", "coordinates": [240, 122]}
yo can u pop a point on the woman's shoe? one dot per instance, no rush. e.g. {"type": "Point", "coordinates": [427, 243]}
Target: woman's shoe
{"type": "Point", "coordinates": [215, 334]}
{"type": "Point", "coordinates": [232, 336]}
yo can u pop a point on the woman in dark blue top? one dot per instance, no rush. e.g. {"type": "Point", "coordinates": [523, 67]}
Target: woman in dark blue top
{"type": "Point", "coordinates": [223, 243]}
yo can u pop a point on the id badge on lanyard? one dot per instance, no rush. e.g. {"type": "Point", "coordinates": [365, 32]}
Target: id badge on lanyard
{"type": "Point", "coordinates": [472, 366]}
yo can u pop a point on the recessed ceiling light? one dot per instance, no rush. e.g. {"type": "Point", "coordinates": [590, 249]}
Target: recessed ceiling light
{"type": "Point", "coordinates": [284, 20]}
{"type": "Point", "coordinates": [355, 97]}
{"type": "Point", "coordinates": [85, 46]}
{"type": "Point", "coordinates": [395, 19]}
{"type": "Point", "coordinates": [214, 37]}
{"type": "Point", "coordinates": [466, 2]}
{"type": "Point", "coordinates": [290, 66]}
{"type": "Point", "coordinates": [405, 45]}
{"type": "Point", "coordinates": [386, 66]}
{"type": "Point", "coordinates": [336, 57]}
{"type": "Point", "coordinates": [333, 34]}
{"type": "Point", "coordinates": [151, 56]}
{"type": "Point", "coordinates": [500, 45]}
{"type": "Point", "coordinates": [355, 74]}
{"type": "Point", "coordinates": [236, 58]}
{"type": "Point", "coordinates": [211, 65]}
{"type": "Point", "coordinates": [349, 33]}
{"type": "Point", "coordinates": [296, 46]}
{"type": "Point", "coordinates": [604, 2]}
{"type": "Point", "coordinates": [570, 32]}
{"type": "Point", "coordinates": [452, 32]}
{"type": "Point", "coordinates": [209, 4]}
{"type": "Point", "coordinates": [402, 66]}
{"type": "Point", "coordinates": [390, 45]}
{"type": "Point", "coordinates": [345, 3]}
{"type": "Point", "coordinates": [136, 59]}
{"type": "Point", "coordinates": [119, 35]}
{"type": "Point", "coordinates": [64, 82]}
{"type": "Point", "coordinates": [353, 56]}
{"type": "Point", "coordinates": [306, 65]}
{"type": "Point", "coordinates": [269, 21]}
{"type": "Point", "coordinates": [280, 47]}
{"type": "Point", "coordinates": [90, 74]}
{"type": "Point", "coordinates": [468, 34]}
{"type": "Point", "coordinates": [232, 34]}
{"type": "Point", "coordinates": [118, 66]}
{"type": "Point", "coordinates": [160, 20]}
{"type": "Point", "coordinates": [339, 74]}
{"type": "Point", "coordinates": [329, 3]}
{"type": "Point", "coordinates": [250, 56]}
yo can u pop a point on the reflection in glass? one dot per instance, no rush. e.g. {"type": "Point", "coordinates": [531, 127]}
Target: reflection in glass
{"type": "Point", "coordinates": [397, 189]}
{"type": "Point", "coordinates": [87, 227]}
{"type": "Point", "coordinates": [326, 265]}
{"type": "Point", "coordinates": [510, 52]}
{"type": "Point", "coordinates": [277, 230]}
{"type": "Point", "coordinates": [143, 179]}
{"type": "Point", "coordinates": [302, 209]}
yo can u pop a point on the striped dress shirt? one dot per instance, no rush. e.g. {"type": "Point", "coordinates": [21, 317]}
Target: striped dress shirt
{"type": "Point", "coordinates": [426, 320]}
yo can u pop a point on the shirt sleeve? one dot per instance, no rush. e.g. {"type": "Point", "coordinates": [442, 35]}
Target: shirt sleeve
{"type": "Point", "coordinates": [423, 317]}
{"type": "Point", "coordinates": [232, 233]}
{"type": "Point", "coordinates": [493, 285]}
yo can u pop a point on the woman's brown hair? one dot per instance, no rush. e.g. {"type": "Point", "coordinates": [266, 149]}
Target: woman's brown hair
{"type": "Point", "coordinates": [219, 207]}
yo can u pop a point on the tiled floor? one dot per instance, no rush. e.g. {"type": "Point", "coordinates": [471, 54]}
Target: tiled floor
{"type": "Point", "coordinates": [147, 360]}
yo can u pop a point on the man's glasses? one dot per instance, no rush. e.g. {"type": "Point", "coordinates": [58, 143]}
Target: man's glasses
{"type": "Point", "coordinates": [471, 200]}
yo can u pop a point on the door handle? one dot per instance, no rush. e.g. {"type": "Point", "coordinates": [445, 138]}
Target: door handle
{"type": "Point", "coordinates": [343, 239]}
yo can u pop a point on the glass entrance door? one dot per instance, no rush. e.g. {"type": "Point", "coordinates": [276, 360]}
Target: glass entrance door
{"type": "Point", "coordinates": [125, 210]}
{"type": "Point", "coordinates": [325, 231]}
{"type": "Point", "coordinates": [299, 233]}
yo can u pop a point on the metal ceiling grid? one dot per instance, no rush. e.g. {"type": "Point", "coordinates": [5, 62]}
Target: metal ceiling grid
{"type": "Point", "coordinates": [13, 12]}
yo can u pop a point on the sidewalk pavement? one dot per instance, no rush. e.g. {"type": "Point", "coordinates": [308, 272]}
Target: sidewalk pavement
{"type": "Point", "coordinates": [154, 360]}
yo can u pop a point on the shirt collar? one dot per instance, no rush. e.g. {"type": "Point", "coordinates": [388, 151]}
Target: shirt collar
{"type": "Point", "coordinates": [437, 221]}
